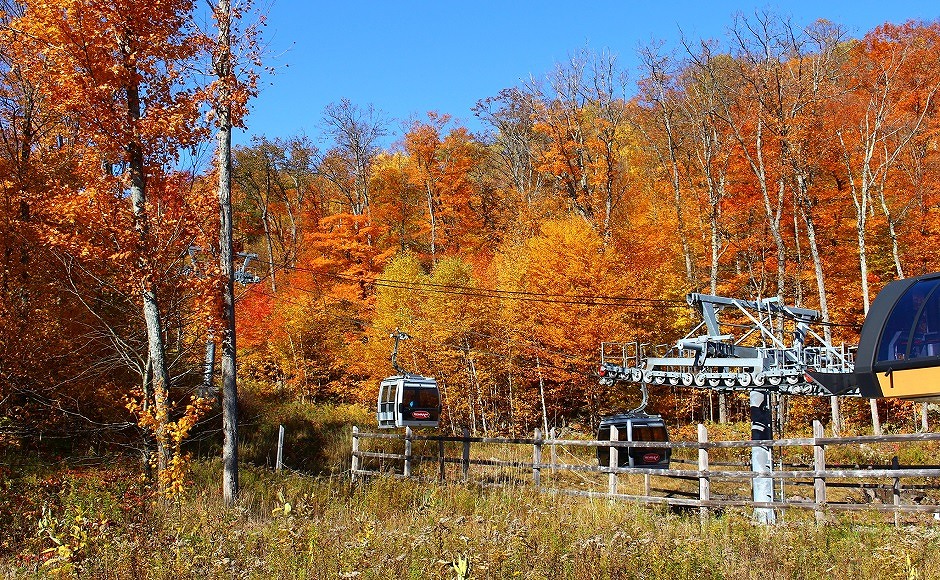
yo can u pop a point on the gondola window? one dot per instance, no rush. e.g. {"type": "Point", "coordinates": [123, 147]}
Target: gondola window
{"type": "Point", "coordinates": [913, 328]}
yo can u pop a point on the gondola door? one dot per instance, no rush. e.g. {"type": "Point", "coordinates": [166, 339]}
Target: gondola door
{"type": "Point", "coordinates": [388, 392]}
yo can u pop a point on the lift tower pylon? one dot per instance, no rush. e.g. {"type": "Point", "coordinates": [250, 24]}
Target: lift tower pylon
{"type": "Point", "coordinates": [757, 346]}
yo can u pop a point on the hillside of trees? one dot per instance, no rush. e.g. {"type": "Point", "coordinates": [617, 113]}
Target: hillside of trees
{"type": "Point", "coordinates": [798, 165]}
{"type": "Point", "coordinates": [788, 161]}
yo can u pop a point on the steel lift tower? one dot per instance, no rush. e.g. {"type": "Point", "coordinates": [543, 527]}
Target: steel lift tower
{"type": "Point", "coordinates": [758, 346]}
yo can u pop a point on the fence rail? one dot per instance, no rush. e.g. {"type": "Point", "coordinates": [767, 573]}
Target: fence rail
{"type": "Point", "coordinates": [530, 468]}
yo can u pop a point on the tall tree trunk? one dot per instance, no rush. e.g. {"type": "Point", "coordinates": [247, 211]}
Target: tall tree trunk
{"type": "Point", "coordinates": [538, 366]}
{"type": "Point", "coordinates": [147, 388]}
{"type": "Point", "coordinates": [818, 270]}
{"type": "Point", "coordinates": [875, 419]}
{"type": "Point", "coordinates": [269, 245]}
{"type": "Point", "coordinates": [893, 234]}
{"type": "Point", "coordinates": [715, 247]}
{"type": "Point", "coordinates": [863, 253]}
{"type": "Point", "coordinates": [291, 254]}
{"type": "Point", "coordinates": [433, 223]}
{"type": "Point", "coordinates": [820, 288]}
{"type": "Point", "coordinates": [680, 224]}
{"type": "Point", "coordinates": [677, 191]}
{"type": "Point", "coordinates": [161, 378]}
{"type": "Point", "coordinates": [474, 381]}
{"type": "Point", "coordinates": [778, 241]}
{"type": "Point", "coordinates": [148, 292]}
{"type": "Point", "coordinates": [836, 416]}
{"type": "Point", "coordinates": [512, 404]}
{"type": "Point", "coordinates": [223, 110]}
{"type": "Point", "coordinates": [772, 212]}
{"type": "Point", "coordinates": [860, 195]}
{"type": "Point", "coordinates": [714, 198]}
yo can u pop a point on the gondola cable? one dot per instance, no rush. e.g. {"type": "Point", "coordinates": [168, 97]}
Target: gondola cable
{"type": "Point", "coordinates": [497, 293]}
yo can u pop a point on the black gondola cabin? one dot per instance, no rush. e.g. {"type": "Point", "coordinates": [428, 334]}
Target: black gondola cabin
{"type": "Point", "coordinates": [635, 426]}
{"type": "Point", "coordinates": [408, 401]}
{"type": "Point", "coordinates": [899, 351]}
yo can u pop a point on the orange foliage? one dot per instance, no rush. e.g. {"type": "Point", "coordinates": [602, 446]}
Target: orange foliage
{"type": "Point", "coordinates": [508, 256]}
{"type": "Point", "coordinates": [514, 251]}
{"type": "Point", "coordinates": [111, 217]}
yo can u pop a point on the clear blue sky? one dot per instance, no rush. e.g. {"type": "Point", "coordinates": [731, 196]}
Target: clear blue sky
{"type": "Point", "coordinates": [407, 57]}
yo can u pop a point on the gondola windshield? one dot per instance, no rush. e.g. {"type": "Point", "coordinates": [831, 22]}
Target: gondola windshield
{"type": "Point", "coordinates": [899, 349]}
{"type": "Point", "coordinates": [912, 330]}
{"type": "Point", "coordinates": [422, 397]}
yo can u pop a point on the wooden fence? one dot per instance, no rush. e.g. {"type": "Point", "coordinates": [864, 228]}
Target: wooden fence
{"type": "Point", "coordinates": [881, 484]}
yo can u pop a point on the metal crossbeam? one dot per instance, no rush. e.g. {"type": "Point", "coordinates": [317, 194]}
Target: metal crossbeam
{"type": "Point", "coordinates": [762, 357]}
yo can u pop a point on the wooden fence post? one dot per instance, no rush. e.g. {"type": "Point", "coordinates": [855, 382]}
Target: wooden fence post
{"type": "Point", "coordinates": [819, 466]}
{"type": "Point", "coordinates": [896, 492]}
{"type": "Point", "coordinates": [704, 483]}
{"type": "Point", "coordinates": [613, 461]}
{"type": "Point", "coordinates": [465, 463]}
{"type": "Point", "coordinates": [279, 462]}
{"type": "Point", "coordinates": [537, 458]}
{"type": "Point", "coordinates": [408, 435]}
{"type": "Point", "coordinates": [440, 457]}
{"type": "Point", "coordinates": [355, 451]}
{"type": "Point", "coordinates": [553, 435]}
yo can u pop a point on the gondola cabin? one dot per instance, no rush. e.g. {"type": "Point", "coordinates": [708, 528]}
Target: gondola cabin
{"type": "Point", "coordinates": [635, 426]}
{"type": "Point", "coordinates": [899, 350]}
{"type": "Point", "coordinates": [408, 401]}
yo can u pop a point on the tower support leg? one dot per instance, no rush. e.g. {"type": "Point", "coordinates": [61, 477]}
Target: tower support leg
{"type": "Point", "coordinates": [761, 458]}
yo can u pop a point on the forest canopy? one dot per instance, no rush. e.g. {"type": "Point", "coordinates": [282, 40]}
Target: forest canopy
{"type": "Point", "coordinates": [791, 162]}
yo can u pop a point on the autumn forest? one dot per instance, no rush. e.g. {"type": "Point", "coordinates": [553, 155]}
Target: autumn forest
{"type": "Point", "coordinates": [782, 161]}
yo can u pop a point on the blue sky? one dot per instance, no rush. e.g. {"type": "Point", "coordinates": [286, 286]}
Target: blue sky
{"type": "Point", "coordinates": [410, 57]}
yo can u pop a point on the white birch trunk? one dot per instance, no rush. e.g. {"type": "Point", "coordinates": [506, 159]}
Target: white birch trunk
{"type": "Point", "coordinates": [148, 292]}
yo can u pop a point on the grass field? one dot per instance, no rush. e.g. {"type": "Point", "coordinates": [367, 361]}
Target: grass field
{"type": "Point", "coordinates": [99, 519]}
{"type": "Point", "coordinates": [104, 523]}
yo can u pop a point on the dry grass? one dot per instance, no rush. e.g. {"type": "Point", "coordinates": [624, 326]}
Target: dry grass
{"type": "Point", "coordinates": [290, 526]}
{"type": "Point", "coordinates": [103, 521]}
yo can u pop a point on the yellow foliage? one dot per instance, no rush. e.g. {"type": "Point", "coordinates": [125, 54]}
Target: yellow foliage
{"type": "Point", "coordinates": [171, 434]}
